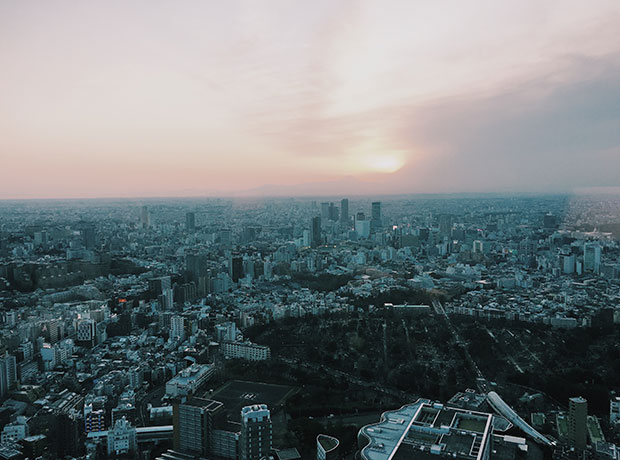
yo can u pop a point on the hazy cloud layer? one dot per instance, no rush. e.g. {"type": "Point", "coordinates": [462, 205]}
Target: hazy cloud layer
{"type": "Point", "coordinates": [156, 98]}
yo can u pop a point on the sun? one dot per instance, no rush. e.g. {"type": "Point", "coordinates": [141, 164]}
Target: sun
{"type": "Point", "coordinates": [383, 162]}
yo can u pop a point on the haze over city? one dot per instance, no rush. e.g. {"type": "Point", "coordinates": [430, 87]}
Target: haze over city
{"type": "Point", "coordinates": [143, 98]}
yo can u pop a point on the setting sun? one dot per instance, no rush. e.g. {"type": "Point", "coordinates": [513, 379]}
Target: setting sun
{"type": "Point", "coordinates": [383, 163]}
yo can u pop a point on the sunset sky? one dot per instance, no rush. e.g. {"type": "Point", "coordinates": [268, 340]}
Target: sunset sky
{"type": "Point", "coordinates": [191, 98]}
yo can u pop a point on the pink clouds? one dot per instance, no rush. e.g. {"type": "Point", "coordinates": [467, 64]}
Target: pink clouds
{"type": "Point", "coordinates": [149, 98]}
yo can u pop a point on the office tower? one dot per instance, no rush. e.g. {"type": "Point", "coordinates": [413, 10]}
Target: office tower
{"type": "Point", "coordinates": [325, 210]}
{"type": "Point", "coordinates": [424, 234]}
{"type": "Point", "coordinates": [550, 221]}
{"type": "Point", "coordinates": [192, 423]}
{"type": "Point", "coordinates": [344, 212]}
{"type": "Point", "coordinates": [166, 299]}
{"type": "Point", "coordinates": [316, 231]}
{"type": "Point", "coordinates": [362, 228]}
{"type": "Point", "coordinates": [177, 328]}
{"type": "Point", "coordinates": [226, 238]}
{"type": "Point", "coordinates": [145, 217]}
{"type": "Point", "coordinates": [577, 417]}
{"type": "Point", "coordinates": [190, 221]}
{"type": "Point", "coordinates": [568, 266]}
{"type": "Point", "coordinates": [196, 266]}
{"type": "Point", "coordinates": [375, 222]}
{"type": "Point", "coordinates": [86, 332]}
{"type": "Point", "coordinates": [157, 286]}
{"type": "Point", "coordinates": [592, 257]}
{"type": "Point", "coordinates": [333, 212]}
{"type": "Point", "coordinates": [445, 224]}
{"type": "Point", "coordinates": [88, 237]}
{"type": "Point", "coordinates": [8, 374]}
{"type": "Point", "coordinates": [236, 268]}
{"type": "Point", "coordinates": [256, 432]}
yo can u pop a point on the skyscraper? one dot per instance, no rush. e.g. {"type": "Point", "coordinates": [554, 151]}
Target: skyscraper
{"type": "Point", "coordinates": [316, 231]}
{"type": "Point", "coordinates": [190, 221]}
{"type": "Point", "coordinates": [577, 417]}
{"type": "Point", "coordinates": [344, 212]}
{"type": "Point", "coordinates": [145, 217]}
{"type": "Point", "coordinates": [8, 374]}
{"type": "Point", "coordinates": [256, 432]}
{"type": "Point", "coordinates": [375, 221]}
{"type": "Point", "coordinates": [445, 224]}
{"type": "Point", "coordinates": [592, 257]}
{"type": "Point", "coordinates": [88, 237]}
{"type": "Point", "coordinates": [325, 210]}
{"type": "Point", "coordinates": [192, 423]}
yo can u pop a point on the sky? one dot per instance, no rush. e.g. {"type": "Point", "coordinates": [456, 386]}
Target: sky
{"type": "Point", "coordinates": [198, 98]}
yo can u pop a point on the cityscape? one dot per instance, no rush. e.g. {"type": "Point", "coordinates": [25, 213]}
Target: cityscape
{"type": "Point", "coordinates": [321, 230]}
{"type": "Point", "coordinates": [469, 326]}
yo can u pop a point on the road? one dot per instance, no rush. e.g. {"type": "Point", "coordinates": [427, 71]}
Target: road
{"type": "Point", "coordinates": [154, 397]}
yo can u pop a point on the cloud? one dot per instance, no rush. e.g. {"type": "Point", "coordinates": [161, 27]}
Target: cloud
{"type": "Point", "coordinates": [540, 134]}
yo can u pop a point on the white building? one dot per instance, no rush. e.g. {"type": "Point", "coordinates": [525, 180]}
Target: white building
{"type": "Point", "coordinates": [121, 438]}
{"type": "Point", "coordinates": [362, 228]}
{"type": "Point", "coordinates": [14, 432]}
{"type": "Point", "coordinates": [189, 380]}
{"type": "Point", "coordinates": [226, 332]}
{"type": "Point", "coordinates": [246, 350]}
{"type": "Point", "coordinates": [177, 328]}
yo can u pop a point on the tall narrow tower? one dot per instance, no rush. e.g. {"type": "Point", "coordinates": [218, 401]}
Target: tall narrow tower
{"type": "Point", "coordinates": [344, 212]}
{"type": "Point", "coordinates": [577, 417]}
{"type": "Point", "coordinates": [256, 432]}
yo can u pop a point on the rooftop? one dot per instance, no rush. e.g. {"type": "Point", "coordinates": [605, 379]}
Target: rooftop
{"type": "Point", "coordinates": [426, 429]}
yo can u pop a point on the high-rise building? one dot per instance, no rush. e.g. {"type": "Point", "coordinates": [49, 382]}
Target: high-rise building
{"type": "Point", "coordinates": [344, 212]}
{"type": "Point", "coordinates": [333, 212]}
{"type": "Point", "coordinates": [192, 423]}
{"type": "Point", "coordinates": [86, 332]}
{"type": "Point", "coordinates": [236, 268]}
{"type": "Point", "coordinates": [592, 257]}
{"type": "Point", "coordinates": [256, 432]}
{"type": "Point", "coordinates": [325, 210]}
{"type": "Point", "coordinates": [362, 228]}
{"type": "Point", "coordinates": [159, 285]}
{"type": "Point", "coordinates": [445, 224]}
{"type": "Point", "coordinates": [550, 221]}
{"type": "Point", "coordinates": [8, 374]}
{"type": "Point", "coordinates": [145, 217]}
{"type": "Point", "coordinates": [375, 221]}
{"type": "Point", "coordinates": [88, 237]}
{"type": "Point", "coordinates": [190, 221]}
{"type": "Point", "coordinates": [568, 265]}
{"type": "Point", "coordinates": [177, 328]}
{"type": "Point", "coordinates": [577, 419]}
{"type": "Point", "coordinates": [316, 231]}
{"type": "Point", "coordinates": [166, 299]}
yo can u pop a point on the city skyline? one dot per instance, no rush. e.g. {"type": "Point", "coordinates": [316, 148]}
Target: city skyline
{"type": "Point", "coordinates": [153, 99]}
